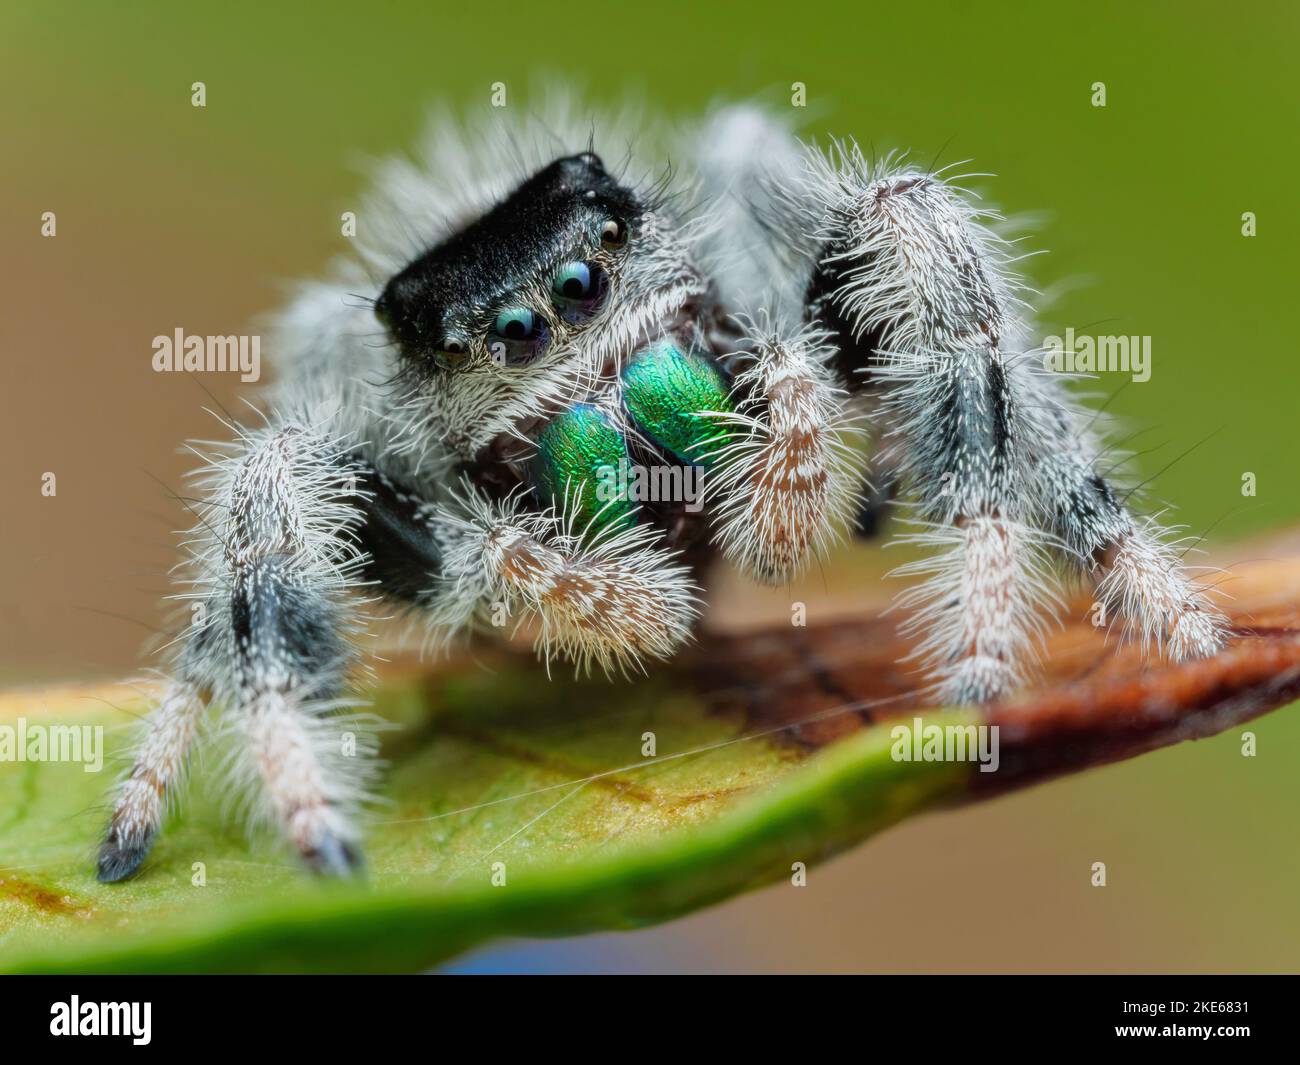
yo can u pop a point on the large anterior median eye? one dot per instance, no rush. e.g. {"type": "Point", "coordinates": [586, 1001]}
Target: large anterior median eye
{"type": "Point", "coordinates": [518, 336]}
{"type": "Point", "coordinates": [517, 323]}
{"type": "Point", "coordinates": [577, 290]}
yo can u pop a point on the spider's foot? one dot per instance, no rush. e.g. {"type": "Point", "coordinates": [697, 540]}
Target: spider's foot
{"type": "Point", "coordinates": [335, 857]}
{"type": "Point", "coordinates": [119, 860]}
{"type": "Point", "coordinates": [976, 680]}
{"type": "Point", "coordinates": [1199, 633]}
{"type": "Point", "coordinates": [1145, 582]}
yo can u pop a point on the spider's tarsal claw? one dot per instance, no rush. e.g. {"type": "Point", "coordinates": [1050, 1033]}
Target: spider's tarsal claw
{"type": "Point", "coordinates": [335, 857]}
{"type": "Point", "coordinates": [118, 861]}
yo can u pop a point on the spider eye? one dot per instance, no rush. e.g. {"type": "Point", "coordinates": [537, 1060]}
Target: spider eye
{"type": "Point", "coordinates": [613, 234]}
{"type": "Point", "coordinates": [518, 336]}
{"type": "Point", "coordinates": [573, 281]}
{"type": "Point", "coordinates": [577, 290]}
{"type": "Point", "coordinates": [517, 323]}
{"type": "Point", "coordinates": [451, 353]}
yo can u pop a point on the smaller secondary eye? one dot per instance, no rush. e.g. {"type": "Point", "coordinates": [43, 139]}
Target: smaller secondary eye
{"type": "Point", "coordinates": [573, 281]}
{"type": "Point", "coordinates": [577, 290]}
{"type": "Point", "coordinates": [516, 323]}
{"type": "Point", "coordinates": [451, 353]}
{"type": "Point", "coordinates": [613, 234]}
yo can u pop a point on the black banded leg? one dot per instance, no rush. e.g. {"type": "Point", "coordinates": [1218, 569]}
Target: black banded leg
{"type": "Point", "coordinates": [291, 664]}
{"type": "Point", "coordinates": [923, 302]}
{"type": "Point", "coordinates": [274, 557]}
{"type": "Point", "coordinates": [922, 306]}
{"type": "Point", "coordinates": [292, 557]}
{"type": "Point", "coordinates": [1138, 573]}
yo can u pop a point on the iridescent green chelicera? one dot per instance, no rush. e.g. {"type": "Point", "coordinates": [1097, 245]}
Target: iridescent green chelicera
{"type": "Point", "coordinates": [582, 453]}
{"type": "Point", "coordinates": [665, 391]}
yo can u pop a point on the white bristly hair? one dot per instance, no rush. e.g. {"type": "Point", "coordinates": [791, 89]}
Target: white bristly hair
{"type": "Point", "coordinates": [828, 287]}
{"type": "Point", "coordinates": [998, 466]}
{"type": "Point", "coordinates": [790, 480]}
{"type": "Point", "coordinates": [609, 600]}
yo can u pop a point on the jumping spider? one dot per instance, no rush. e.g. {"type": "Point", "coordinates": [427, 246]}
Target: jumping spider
{"type": "Point", "coordinates": [541, 320]}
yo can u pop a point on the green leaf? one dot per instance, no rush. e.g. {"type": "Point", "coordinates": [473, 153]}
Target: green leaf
{"type": "Point", "coordinates": [770, 749]}
{"type": "Point", "coordinates": [545, 777]}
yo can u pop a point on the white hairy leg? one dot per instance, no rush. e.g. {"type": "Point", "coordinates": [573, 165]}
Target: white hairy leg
{"type": "Point", "coordinates": [290, 558]}
{"type": "Point", "coordinates": [911, 276]}
{"type": "Point", "coordinates": [1138, 572]}
{"type": "Point", "coordinates": [921, 293]}
{"type": "Point", "coordinates": [311, 795]}
{"type": "Point", "coordinates": [142, 798]}
{"type": "Point", "coordinates": [273, 558]}
{"type": "Point", "coordinates": [789, 482]}
{"type": "Point", "coordinates": [611, 601]}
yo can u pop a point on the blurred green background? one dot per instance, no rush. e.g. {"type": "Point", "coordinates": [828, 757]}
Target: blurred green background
{"type": "Point", "coordinates": [171, 216]}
